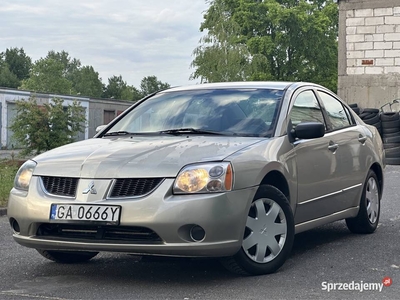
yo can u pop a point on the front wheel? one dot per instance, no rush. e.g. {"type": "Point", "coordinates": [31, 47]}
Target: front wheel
{"type": "Point", "coordinates": [67, 256]}
{"type": "Point", "coordinates": [368, 215]}
{"type": "Point", "coordinates": [268, 236]}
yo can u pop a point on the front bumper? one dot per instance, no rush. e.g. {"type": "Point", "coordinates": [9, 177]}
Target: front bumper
{"type": "Point", "coordinates": [222, 216]}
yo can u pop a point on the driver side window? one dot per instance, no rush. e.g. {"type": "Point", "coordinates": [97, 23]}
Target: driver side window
{"type": "Point", "coordinates": [306, 109]}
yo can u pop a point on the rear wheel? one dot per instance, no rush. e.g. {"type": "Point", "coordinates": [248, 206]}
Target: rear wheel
{"type": "Point", "coordinates": [368, 216]}
{"type": "Point", "coordinates": [268, 236]}
{"type": "Point", "coordinates": [67, 256]}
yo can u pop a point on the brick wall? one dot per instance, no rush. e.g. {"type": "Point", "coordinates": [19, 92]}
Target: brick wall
{"type": "Point", "coordinates": [369, 51]}
{"type": "Point", "coordinates": [373, 41]}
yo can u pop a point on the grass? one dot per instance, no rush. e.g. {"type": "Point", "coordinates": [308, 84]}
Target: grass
{"type": "Point", "coordinates": [8, 169]}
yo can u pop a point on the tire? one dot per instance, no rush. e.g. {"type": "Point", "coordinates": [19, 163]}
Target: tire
{"type": "Point", "coordinates": [372, 119]}
{"type": "Point", "coordinates": [371, 110]}
{"type": "Point", "coordinates": [391, 145]}
{"type": "Point", "coordinates": [356, 110]}
{"type": "Point", "coordinates": [390, 116]}
{"type": "Point", "coordinates": [353, 105]}
{"type": "Point", "coordinates": [391, 124]}
{"type": "Point", "coordinates": [389, 130]}
{"type": "Point", "coordinates": [390, 140]}
{"type": "Point", "coordinates": [67, 257]}
{"type": "Point", "coordinates": [375, 119]}
{"type": "Point", "coordinates": [270, 221]}
{"type": "Point", "coordinates": [366, 115]}
{"type": "Point", "coordinates": [368, 215]}
{"type": "Point", "coordinates": [392, 161]}
{"type": "Point", "coordinates": [392, 152]}
{"type": "Point", "coordinates": [378, 125]}
{"type": "Point", "coordinates": [388, 135]}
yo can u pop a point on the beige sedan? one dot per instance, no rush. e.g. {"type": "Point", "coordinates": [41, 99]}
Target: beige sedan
{"type": "Point", "coordinates": [229, 170]}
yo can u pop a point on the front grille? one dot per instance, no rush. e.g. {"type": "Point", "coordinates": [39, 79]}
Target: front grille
{"type": "Point", "coordinates": [116, 234]}
{"type": "Point", "coordinates": [60, 186]}
{"type": "Point", "coordinates": [134, 187]}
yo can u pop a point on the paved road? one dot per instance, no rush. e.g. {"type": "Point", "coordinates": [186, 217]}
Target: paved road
{"type": "Point", "coordinates": [329, 253]}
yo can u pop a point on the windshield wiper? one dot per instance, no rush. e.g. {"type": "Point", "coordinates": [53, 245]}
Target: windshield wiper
{"type": "Point", "coordinates": [190, 130]}
{"type": "Point", "coordinates": [114, 133]}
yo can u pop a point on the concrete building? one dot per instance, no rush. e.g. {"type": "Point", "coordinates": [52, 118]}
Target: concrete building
{"type": "Point", "coordinates": [98, 111]}
{"type": "Point", "coordinates": [369, 51]}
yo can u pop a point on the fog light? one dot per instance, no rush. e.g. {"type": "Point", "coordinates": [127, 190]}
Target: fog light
{"type": "Point", "coordinates": [197, 233]}
{"type": "Point", "coordinates": [15, 226]}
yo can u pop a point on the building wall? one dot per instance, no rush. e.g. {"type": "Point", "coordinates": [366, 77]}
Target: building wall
{"type": "Point", "coordinates": [94, 111]}
{"type": "Point", "coordinates": [97, 107]}
{"type": "Point", "coordinates": [369, 51]}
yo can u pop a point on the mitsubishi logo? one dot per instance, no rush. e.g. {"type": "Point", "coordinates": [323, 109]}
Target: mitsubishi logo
{"type": "Point", "coordinates": [90, 189]}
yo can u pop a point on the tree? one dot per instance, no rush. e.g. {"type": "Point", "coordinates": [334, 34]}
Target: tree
{"type": "Point", "coordinates": [285, 39]}
{"type": "Point", "coordinates": [7, 78]}
{"type": "Point", "coordinates": [151, 84]}
{"type": "Point", "coordinates": [18, 62]}
{"type": "Point", "coordinates": [131, 93]}
{"type": "Point", "coordinates": [59, 73]}
{"type": "Point", "coordinates": [115, 87]}
{"type": "Point", "coordinates": [86, 82]}
{"type": "Point", "coordinates": [221, 55]}
{"type": "Point", "coordinates": [70, 64]}
{"type": "Point", "coordinates": [47, 76]}
{"type": "Point", "coordinates": [14, 67]}
{"type": "Point", "coordinates": [41, 128]}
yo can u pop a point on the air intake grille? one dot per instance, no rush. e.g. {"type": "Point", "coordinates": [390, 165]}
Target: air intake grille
{"type": "Point", "coordinates": [60, 186]}
{"type": "Point", "coordinates": [134, 187]}
{"type": "Point", "coordinates": [116, 234]}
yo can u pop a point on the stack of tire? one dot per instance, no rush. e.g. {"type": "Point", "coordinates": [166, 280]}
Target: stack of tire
{"type": "Point", "coordinates": [391, 137]}
{"type": "Point", "coordinates": [355, 108]}
{"type": "Point", "coordinates": [372, 117]}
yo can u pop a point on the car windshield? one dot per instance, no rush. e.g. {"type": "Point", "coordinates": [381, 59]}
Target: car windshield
{"type": "Point", "coordinates": [243, 112]}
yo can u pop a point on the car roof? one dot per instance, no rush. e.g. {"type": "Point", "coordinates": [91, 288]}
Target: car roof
{"type": "Point", "coordinates": [276, 85]}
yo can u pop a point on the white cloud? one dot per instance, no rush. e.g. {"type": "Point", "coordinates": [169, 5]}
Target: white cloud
{"type": "Point", "coordinates": [132, 38]}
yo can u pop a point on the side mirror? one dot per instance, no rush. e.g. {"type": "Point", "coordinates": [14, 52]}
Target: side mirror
{"type": "Point", "coordinates": [308, 130]}
{"type": "Point", "coordinates": [100, 128]}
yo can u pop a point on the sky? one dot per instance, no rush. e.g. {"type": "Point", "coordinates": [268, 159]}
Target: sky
{"type": "Point", "coordinates": [132, 38]}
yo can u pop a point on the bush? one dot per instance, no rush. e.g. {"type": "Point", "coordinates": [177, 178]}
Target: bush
{"type": "Point", "coordinates": [39, 128]}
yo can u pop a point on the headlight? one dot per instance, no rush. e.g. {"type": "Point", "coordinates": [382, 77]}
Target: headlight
{"type": "Point", "coordinates": [24, 175]}
{"type": "Point", "coordinates": [204, 178]}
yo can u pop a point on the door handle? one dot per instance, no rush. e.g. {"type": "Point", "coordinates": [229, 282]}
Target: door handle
{"type": "Point", "coordinates": [362, 139]}
{"type": "Point", "coordinates": [333, 146]}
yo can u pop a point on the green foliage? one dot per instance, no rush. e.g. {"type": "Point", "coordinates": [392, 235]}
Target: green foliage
{"type": "Point", "coordinates": [288, 40]}
{"type": "Point", "coordinates": [8, 169]}
{"type": "Point", "coordinates": [58, 73]}
{"type": "Point", "coordinates": [151, 84]}
{"type": "Point", "coordinates": [40, 128]}
{"type": "Point", "coordinates": [86, 82]}
{"type": "Point", "coordinates": [14, 67]}
{"type": "Point", "coordinates": [131, 93]}
{"type": "Point", "coordinates": [18, 62]}
{"type": "Point", "coordinates": [61, 74]}
{"type": "Point", "coordinates": [114, 89]}
{"type": "Point", "coordinates": [117, 88]}
{"type": "Point", "coordinates": [7, 78]}
{"type": "Point", "coordinates": [47, 76]}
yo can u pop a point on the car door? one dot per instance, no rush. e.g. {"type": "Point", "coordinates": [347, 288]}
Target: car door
{"type": "Point", "coordinates": [317, 161]}
{"type": "Point", "coordinates": [351, 151]}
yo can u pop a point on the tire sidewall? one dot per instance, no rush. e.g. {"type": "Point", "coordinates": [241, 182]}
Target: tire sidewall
{"type": "Point", "coordinates": [252, 267]}
{"type": "Point", "coordinates": [363, 202]}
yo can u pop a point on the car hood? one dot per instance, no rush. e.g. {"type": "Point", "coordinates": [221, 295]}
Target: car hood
{"type": "Point", "coordinates": [136, 156]}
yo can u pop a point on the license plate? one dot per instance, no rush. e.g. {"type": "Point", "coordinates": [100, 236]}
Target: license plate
{"type": "Point", "coordinates": [97, 213]}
